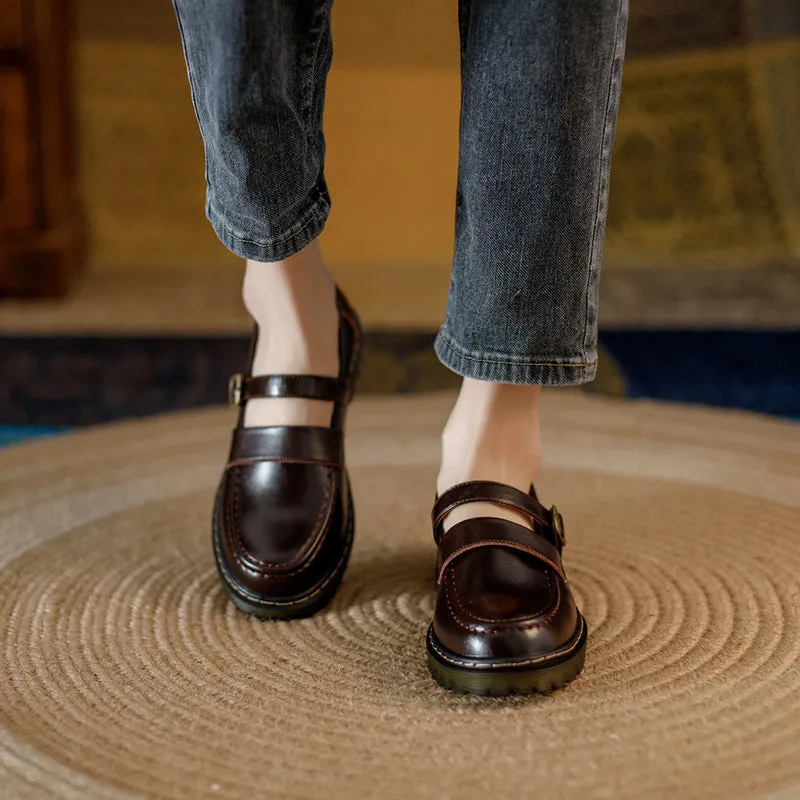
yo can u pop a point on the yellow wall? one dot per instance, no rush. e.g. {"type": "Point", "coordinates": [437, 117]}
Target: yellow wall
{"type": "Point", "coordinates": [391, 124]}
{"type": "Point", "coordinates": [705, 168]}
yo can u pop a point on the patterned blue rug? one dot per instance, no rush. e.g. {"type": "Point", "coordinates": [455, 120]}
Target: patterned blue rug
{"type": "Point", "coordinates": [756, 371]}
{"type": "Point", "coordinates": [12, 434]}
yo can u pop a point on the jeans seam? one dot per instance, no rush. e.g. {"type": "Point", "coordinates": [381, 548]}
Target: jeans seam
{"type": "Point", "coordinates": [192, 91]}
{"type": "Point", "coordinates": [485, 360]}
{"type": "Point", "coordinates": [603, 141]}
{"type": "Point", "coordinates": [463, 29]}
{"type": "Point", "coordinates": [314, 214]}
{"type": "Point", "coordinates": [323, 9]}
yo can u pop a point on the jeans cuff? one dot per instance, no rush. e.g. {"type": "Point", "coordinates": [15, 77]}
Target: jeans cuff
{"type": "Point", "coordinates": [498, 368]}
{"type": "Point", "coordinates": [292, 240]}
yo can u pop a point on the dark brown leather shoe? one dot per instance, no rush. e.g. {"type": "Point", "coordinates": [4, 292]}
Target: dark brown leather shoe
{"type": "Point", "coordinates": [505, 620]}
{"type": "Point", "coordinates": [283, 518]}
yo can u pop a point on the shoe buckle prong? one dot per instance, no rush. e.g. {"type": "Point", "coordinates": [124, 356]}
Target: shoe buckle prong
{"type": "Point", "coordinates": [558, 526]}
{"type": "Point", "coordinates": [235, 386]}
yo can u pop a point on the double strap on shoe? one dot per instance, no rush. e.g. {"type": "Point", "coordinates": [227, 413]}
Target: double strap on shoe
{"type": "Point", "coordinates": [289, 443]}
{"type": "Point", "coordinates": [297, 444]}
{"type": "Point", "coordinates": [491, 532]}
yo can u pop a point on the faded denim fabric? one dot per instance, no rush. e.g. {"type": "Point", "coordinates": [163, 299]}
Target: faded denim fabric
{"type": "Point", "coordinates": [540, 92]}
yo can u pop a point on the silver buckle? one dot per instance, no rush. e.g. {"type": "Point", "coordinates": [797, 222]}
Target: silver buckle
{"type": "Point", "coordinates": [558, 526]}
{"type": "Point", "coordinates": [235, 386]}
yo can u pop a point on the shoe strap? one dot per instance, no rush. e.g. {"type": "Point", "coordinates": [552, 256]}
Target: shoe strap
{"type": "Point", "coordinates": [471, 534]}
{"type": "Point", "coordinates": [502, 494]}
{"type": "Point", "coordinates": [296, 444]}
{"type": "Point", "coordinates": [242, 388]}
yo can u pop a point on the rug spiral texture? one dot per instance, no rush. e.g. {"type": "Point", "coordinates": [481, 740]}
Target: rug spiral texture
{"type": "Point", "coordinates": [127, 673]}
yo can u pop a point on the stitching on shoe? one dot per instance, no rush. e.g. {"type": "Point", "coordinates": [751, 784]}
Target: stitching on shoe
{"type": "Point", "coordinates": [513, 664]}
{"type": "Point", "coordinates": [260, 601]}
{"type": "Point", "coordinates": [539, 621]}
{"type": "Point", "coordinates": [306, 556]}
{"type": "Point", "coordinates": [467, 614]}
{"type": "Point", "coordinates": [532, 551]}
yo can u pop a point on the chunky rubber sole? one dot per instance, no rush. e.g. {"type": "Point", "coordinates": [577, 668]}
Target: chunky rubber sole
{"type": "Point", "coordinates": [499, 677]}
{"type": "Point", "coordinates": [277, 608]}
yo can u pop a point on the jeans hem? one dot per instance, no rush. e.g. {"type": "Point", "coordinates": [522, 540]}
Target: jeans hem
{"type": "Point", "coordinates": [499, 368]}
{"type": "Point", "coordinates": [293, 239]}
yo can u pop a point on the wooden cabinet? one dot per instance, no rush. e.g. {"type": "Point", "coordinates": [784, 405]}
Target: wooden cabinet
{"type": "Point", "coordinates": [41, 221]}
{"type": "Point", "coordinates": [11, 25]}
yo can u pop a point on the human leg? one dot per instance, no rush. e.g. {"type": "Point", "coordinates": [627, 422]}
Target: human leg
{"type": "Point", "coordinates": [540, 91]}
{"type": "Point", "coordinates": [283, 519]}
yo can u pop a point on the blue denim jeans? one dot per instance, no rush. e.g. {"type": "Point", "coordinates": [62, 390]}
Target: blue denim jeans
{"type": "Point", "coordinates": [540, 91]}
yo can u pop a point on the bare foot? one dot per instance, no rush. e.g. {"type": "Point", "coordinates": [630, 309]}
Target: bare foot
{"type": "Point", "coordinates": [492, 435]}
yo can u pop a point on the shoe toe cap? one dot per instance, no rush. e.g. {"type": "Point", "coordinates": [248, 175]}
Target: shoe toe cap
{"type": "Point", "coordinates": [498, 604]}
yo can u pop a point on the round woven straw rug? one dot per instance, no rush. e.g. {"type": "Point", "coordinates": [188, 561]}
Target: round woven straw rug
{"type": "Point", "coordinates": [126, 671]}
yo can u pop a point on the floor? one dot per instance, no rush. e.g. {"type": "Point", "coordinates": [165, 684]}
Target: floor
{"type": "Point", "coordinates": [128, 672]}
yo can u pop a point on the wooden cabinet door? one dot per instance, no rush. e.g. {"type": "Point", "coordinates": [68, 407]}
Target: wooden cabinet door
{"type": "Point", "coordinates": [10, 25]}
{"type": "Point", "coordinates": [15, 163]}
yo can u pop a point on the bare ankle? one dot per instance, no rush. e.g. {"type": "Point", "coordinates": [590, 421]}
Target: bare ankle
{"type": "Point", "coordinates": [299, 289]}
{"type": "Point", "coordinates": [492, 435]}
{"type": "Point", "coordinates": [293, 303]}
{"type": "Point", "coordinates": [493, 426]}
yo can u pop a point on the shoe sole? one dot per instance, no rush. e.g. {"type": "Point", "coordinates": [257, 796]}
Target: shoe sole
{"type": "Point", "coordinates": [500, 677]}
{"type": "Point", "coordinates": [277, 608]}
